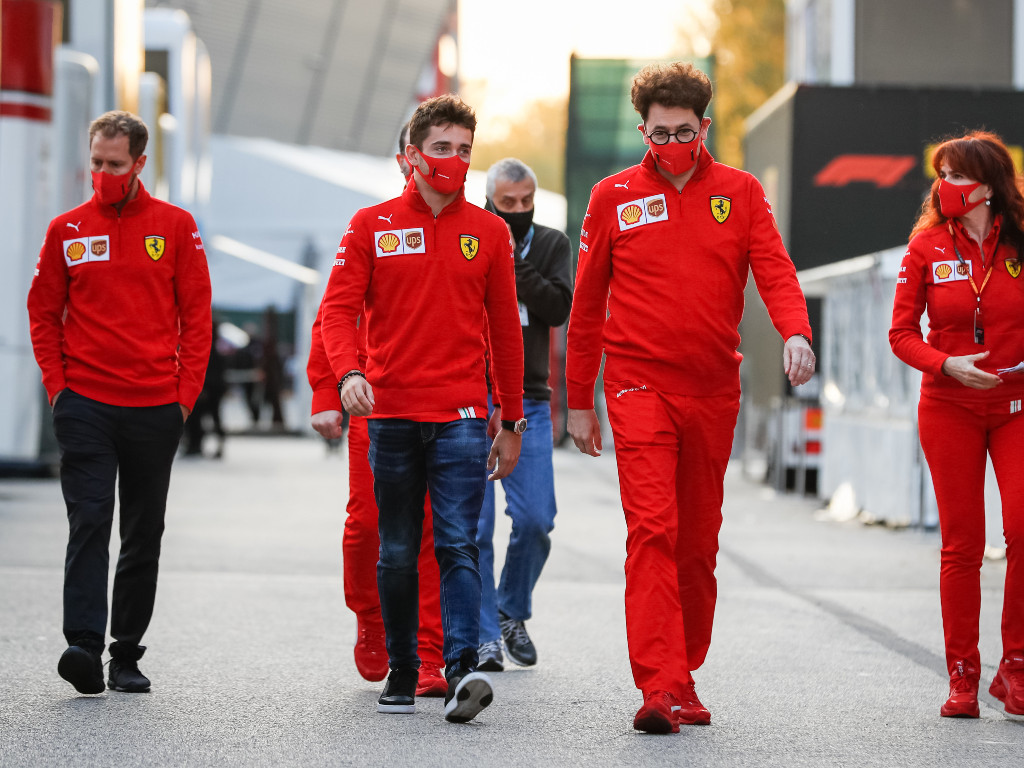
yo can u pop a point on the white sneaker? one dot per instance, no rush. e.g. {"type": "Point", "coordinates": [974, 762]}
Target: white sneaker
{"type": "Point", "coordinates": [467, 697]}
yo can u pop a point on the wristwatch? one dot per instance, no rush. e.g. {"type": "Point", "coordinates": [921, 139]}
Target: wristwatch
{"type": "Point", "coordinates": [514, 426]}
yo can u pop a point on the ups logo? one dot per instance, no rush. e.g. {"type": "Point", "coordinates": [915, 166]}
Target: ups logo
{"type": "Point", "coordinates": [98, 247]}
{"type": "Point", "coordinates": [655, 208]}
{"type": "Point", "coordinates": [413, 239]}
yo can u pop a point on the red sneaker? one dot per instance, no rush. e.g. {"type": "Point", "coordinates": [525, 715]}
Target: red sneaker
{"type": "Point", "coordinates": [657, 715]}
{"type": "Point", "coordinates": [963, 693]}
{"type": "Point", "coordinates": [432, 683]}
{"type": "Point", "coordinates": [1008, 685]}
{"type": "Point", "coordinates": [691, 711]}
{"type": "Point", "coordinates": [370, 653]}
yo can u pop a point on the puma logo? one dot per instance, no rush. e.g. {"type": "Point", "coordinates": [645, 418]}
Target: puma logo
{"type": "Point", "coordinates": [940, 250]}
{"type": "Point", "coordinates": [74, 226]}
{"type": "Point", "coordinates": [386, 218]}
{"type": "Point", "coordinates": [624, 186]}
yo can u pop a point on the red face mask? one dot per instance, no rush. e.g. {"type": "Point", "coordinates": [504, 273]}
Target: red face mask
{"type": "Point", "coordinates": [111, 189]}
{"type": "Point", "coordinates": [445, 175]}
{"type": "Point", "coordinates": [677, 158]}
{"type": "Point", "coordinates": [953, 198]}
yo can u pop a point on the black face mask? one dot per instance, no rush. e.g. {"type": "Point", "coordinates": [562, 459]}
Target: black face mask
{"type": "Point", "coordinates": [519, 223]}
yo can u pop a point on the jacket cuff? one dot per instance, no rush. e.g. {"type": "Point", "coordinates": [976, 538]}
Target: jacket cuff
{"type": "Point", "coordinates": [188, 398]}
{"type": "Point", "coordinates": [53, 386]}
{"type": "Point", "coordinates": [511, 407]}
{"type": "Point", "coordinates": [579, 397]}
{"type": "Point", "coordinates": [325, 400]}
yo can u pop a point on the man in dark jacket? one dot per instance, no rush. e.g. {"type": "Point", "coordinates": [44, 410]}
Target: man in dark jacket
{"type": "Point", "coordinates": [544, 291]}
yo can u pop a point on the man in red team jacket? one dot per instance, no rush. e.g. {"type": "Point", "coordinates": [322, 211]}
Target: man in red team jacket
{"type": "Point", "coordinates": [664, 255]}
{"type": "Point", "coordinates": [121, 328]}
{"type": "Point", "coordinates": [360, 543]}
{"type": "Point", "coordinates": [434, 277]}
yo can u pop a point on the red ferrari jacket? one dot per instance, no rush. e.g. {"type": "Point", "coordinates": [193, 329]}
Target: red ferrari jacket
{"type": "Point", "coordinates": [668, 269]}
{"type": "Point", "coordinates": [931, 277]}
{"type": "Point", "coordinates": [119, 307]}
{"type": "Point", "coordinates": [425, 284]}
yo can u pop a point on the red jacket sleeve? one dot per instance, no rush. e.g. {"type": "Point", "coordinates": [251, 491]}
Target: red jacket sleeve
{"type": "Point", "coordinates": [195, 322]}
{"type": "Point", "coordinates": [318, 370]}
{"type": "Point", "coordinates": [344, 298]}
{"type": "Point", "coordinates": [584, 345]}
{"type": "Point", "coordinates": [909, 303]}
{"type": "Point", "coordinates": [505, 334]}
{"type": "Point", "coordinates": [773, 270]}
{"type": "Point", "coordinates": [47, 299]}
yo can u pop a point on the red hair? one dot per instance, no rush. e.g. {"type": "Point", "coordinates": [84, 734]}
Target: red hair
{"type": "Point", "coordinates": [982, 156]}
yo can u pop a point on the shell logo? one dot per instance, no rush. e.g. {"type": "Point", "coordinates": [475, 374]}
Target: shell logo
{"type": "Point", "coordinates": [943, 271]}
{"type": "Point", "coordinates": [961, 269]}
{"type": "Point", "coordinates": [655, 208]}
{"type": "Point", "coordinates": [631, 214]}
{"type": "Point", "coordinates": [388, 243]}
{"type": "Point", "coordinates": [76, 251]}
{"type": "Point", "coordinates": [413, 239]}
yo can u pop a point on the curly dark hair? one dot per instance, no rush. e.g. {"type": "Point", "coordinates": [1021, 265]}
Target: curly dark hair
{"type": "Point", "coordinates": [678, 84]}
{"type": "Point", "coordinates": [120, 123]}
{"type": "Point", "coordinates": [982, 156]}
{"type": "Point", "coordinates": [448, 109]}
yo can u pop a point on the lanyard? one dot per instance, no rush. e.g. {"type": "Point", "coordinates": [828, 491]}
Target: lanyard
{"type": "Point", "coordinates": [526, 243]}
{"type": "Point", "coordinates": [979, 329]}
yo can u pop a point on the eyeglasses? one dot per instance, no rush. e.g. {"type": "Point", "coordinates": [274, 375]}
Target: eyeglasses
{"type": "Point", "coordinates": [684, 136]}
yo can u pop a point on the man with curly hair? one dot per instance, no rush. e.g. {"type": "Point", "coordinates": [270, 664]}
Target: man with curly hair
{"type": "Point", "coordinates": [682, 232]}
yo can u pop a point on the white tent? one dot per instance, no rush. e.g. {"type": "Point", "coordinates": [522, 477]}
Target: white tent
{"type": "Point", "coordinates": [295, 202]}
{"type": "Point", "coordinates": [278, 211]}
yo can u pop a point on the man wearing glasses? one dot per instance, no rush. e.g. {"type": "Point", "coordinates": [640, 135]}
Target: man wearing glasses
{"type": "Point", "coordinates": [682, 232]}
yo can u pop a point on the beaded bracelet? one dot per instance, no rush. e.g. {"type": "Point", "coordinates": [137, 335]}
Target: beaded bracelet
{"type": "Point", "coordinates": [348, 376]}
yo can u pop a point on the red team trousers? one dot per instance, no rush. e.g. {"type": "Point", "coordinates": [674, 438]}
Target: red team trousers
{"type": "Point", "coordinates": [671, 452]}
{"type": "Point", "coordinates": [361, 550]}
{"type": "Point", "coordinates": [955, 438]}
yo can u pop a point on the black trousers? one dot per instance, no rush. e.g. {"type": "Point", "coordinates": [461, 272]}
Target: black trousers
{"type": "Point", "coordinates": [97, 441]}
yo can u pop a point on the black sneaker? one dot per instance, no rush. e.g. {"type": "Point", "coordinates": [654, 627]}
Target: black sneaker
{"type": "Point", "coordinates": [518, 645]}
{"type": "Point", "coordinates": [82, 668]}
{"type": "Point", "coordinates": [491, 659]}
{"type": "Point", "coordinates": [124, 676]}
{"type": "Point", "coordinates": [468, 694]}
{"type": "Point", "coordinates": [399, 695]}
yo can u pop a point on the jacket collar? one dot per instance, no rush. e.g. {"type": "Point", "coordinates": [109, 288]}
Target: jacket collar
{"type": "Point", "coordinates": [411, 196]}
{"type": "Point", "coordinates": [991, 240]}
{"type": "Point", "coordinates": [131, 208]}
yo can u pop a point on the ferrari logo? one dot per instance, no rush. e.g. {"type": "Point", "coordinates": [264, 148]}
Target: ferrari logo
{"type": "Point", "coordinates": [470, 245]}
{"type": "Point", "coordinates": [155, 247]}
{"type": "Point", "coordinates": [1012, 266]}
{"type": "Point", "coordinates": [720, 208]}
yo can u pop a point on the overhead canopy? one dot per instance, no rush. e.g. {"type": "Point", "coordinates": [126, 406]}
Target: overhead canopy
{"type": "Point", "coordinates": [335, 73]}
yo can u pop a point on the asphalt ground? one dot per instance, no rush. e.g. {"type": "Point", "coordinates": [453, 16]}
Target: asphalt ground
{"type": "Point", "coordinates": [827, 646]}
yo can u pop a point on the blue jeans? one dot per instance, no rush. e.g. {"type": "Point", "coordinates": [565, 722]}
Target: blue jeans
{"type": "Point", "coordinates": [449, 458]}
{"type": "Point", "coordinates": [530, 499]}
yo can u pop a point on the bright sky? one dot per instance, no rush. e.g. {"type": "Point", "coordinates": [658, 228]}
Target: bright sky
{"type": "Point", "coordinates": [521, 47]}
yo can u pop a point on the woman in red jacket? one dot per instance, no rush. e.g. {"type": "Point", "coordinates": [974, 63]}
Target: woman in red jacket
{"type": "Point", "coordinates": [963, 265]}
